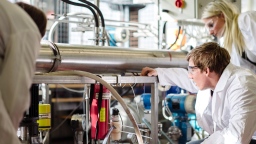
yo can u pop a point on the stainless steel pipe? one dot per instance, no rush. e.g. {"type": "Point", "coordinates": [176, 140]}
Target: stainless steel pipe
{"type": "Point", "coordinates": [104, 60]}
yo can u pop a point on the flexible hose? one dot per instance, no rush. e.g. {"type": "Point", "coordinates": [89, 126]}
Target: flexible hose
{"type": "Point", "coordinates": [111, 89]}
{"type": "Point", "coordinates": [98, 10]}
{"type": "Point", "coordinates": [149, 127]}
{"type": "Point", "coordinates": [165, 34]}
{"type": "Point", "coordinates": [86, 6]}
{"type": "Point", "coordinates": [176, 38]}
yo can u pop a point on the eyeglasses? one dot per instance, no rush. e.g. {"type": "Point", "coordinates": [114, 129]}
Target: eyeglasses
{"type": "Point", "coordinates": [191, 69]}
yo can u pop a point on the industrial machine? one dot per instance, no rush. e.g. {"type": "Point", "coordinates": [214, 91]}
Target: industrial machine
{"type": "Point", "coordinates": [178, 107]}
{"type": "Point", "coordinates": [152, 117]}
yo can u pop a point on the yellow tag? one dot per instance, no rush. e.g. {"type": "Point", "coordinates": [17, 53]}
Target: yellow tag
{"type": "Point", "coordinates": [102, 115]}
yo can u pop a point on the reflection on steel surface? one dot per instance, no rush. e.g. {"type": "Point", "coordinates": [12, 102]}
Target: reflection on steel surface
{"type": "Point", "coordinates": [104, 60]}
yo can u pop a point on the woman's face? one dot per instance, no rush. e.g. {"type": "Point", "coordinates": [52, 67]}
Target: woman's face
{"type": "Point", "coordinates": [216, 25]}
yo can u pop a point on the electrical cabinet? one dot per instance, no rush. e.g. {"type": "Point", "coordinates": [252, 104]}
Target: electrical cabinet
{"type": "Point", "coordinates": [189, 9]}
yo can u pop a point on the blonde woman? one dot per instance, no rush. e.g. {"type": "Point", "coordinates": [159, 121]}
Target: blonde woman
{"type": "Point", "coordinates": [237, 29]}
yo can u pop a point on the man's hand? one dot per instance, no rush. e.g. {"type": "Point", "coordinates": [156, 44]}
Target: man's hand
{"type": "Point", "coordinates": [146, 71]}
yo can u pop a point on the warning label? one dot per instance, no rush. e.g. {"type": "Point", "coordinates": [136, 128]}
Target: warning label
{"type": "Point", "coordinates": [102, 115]}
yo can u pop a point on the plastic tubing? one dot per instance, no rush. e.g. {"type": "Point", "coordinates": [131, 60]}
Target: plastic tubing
{"type": "Point", "coordinates": [83, 5]}
{"type": "Point", "coordinates": [111, 89]}
{"type": "Point", "coordinates": [98, 10]}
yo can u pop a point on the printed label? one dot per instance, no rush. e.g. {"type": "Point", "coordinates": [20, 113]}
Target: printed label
{"type": "Point", "coordinates": [102, 115]}
{"type": "Point", "coordinates": [45, 116]}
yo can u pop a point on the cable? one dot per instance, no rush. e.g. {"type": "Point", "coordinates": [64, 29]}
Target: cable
{"type": "Point", "coordinates": [72, 90]}
{"type": "Point", "coordinates": [98, 10]}
{"type": "Point", "coordinates": [86, 6]}
{"type": "Point", "coordinates": [65, 118]}
{"type": "Point", "coordinates": [169, 112]}
{"type": "Point", "coordinates": [176, 38]}
{"type": "Point", "coordinates": [113, 103]}
{"type": "Point", "coordinates": [111, 39]}
{"type": "Point", "coordinates": [122, 123]}
{"type": "Point", "coordinates": [135, 100]}
{"type": "Point", "coordinates": [84, 94]}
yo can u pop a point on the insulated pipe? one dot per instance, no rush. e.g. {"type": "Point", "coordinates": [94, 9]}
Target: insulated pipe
{"type": "Point", "coordinates": [105, 60]}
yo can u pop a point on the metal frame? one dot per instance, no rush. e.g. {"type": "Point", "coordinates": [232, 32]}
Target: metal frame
{"type": "Point", "coordinates": [117, 80]}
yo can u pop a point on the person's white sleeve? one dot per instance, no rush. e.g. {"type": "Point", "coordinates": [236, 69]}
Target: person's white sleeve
{"type": "Point", "coordinates": [8, 134]}
{"type": "Point", "coordinates": [242, 122]}
{"type": "Point", "coordinates": [17, 72]}
{"type": "Point", "coordinates": [176, 77]}
{"type": "Point", "coordinates": [247, 25]}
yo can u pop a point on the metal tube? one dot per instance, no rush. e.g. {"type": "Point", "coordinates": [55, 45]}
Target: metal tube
{"type": "Point", "coordinates": [97, 3]}
{"type": "Point", "coordinates": [103, 36]}
{"type": "Point", "coordinates": [97, 35]}
{"type": "Point", "coordinates": [87, 117]}
{"type": "Point", "coordinates": [159, 24]}
{"type": "Point", "coordinates": [23, 133]}
{"type": "Point", "coordinates": [154, 112]}
{"type": "Point", "coordinates": [105, 60]}
{"type": "Point", "coordinates": [80, 137]}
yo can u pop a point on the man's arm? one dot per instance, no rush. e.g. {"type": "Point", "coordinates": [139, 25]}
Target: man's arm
{"type": "Point", "coordinates": [176, 77]}
{"type": "Point", "coordinates": [171, 76]}
{"type": "Point", "coordinates": [147, 71]}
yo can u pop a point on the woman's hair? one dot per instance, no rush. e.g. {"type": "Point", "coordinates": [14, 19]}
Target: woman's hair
{"type": "Point", "coordinates": [36, 14]}
{"type": "Point", "coordinates": [232, 34]}
{"type": "Point", "coordinates": [210, 55]}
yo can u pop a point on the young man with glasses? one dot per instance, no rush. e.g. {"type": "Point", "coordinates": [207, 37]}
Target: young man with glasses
{"type": "Point", "coordinates": [229, 115]}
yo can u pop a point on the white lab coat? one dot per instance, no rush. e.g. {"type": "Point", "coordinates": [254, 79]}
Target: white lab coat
{"type": "Point", "coordinates": [232, 109]}
{"type": "Point", "coordinates": [19, 47]}
{"type": "Point", "coordinates": [247, 25]}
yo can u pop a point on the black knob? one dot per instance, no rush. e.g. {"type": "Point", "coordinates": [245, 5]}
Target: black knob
{"type": "Point", "coordinates": [115, 111]}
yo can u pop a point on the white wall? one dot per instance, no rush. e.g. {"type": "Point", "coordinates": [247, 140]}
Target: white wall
{"type": "Point", "coordinates": [147, 15]}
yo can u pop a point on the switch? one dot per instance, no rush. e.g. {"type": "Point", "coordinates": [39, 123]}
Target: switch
{"type": "Point", "coordinates": [179, 3]}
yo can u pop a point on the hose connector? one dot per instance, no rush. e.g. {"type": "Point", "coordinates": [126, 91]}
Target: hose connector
{"type": "Point", "coordinates": [103, 36]}
{"type": "Point", "coordinates": [97, 35]}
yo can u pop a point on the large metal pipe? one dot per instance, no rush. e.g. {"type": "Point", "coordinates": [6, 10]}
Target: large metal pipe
{"type": "Point", "coordinates": [104, 60]}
